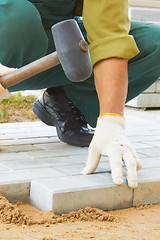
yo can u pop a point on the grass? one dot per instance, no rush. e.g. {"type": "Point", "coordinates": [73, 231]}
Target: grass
{"type": "Point", "coordinates": [17, 108]}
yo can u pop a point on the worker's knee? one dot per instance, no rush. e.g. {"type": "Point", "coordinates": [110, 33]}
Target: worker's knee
{"type": "Point", "coordinates": [18, 17]}
{"type": "Point", "coordinates": [151, 40]}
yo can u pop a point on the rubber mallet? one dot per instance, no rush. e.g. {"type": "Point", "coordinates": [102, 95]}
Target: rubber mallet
{"type": "Point", "coordinates": [71, 52]}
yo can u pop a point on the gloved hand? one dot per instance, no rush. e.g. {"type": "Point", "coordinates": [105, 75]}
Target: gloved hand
{"type": "Point", "coordinates": [4, 93]}
{"type": "Point", "coordinates": [110, 139]}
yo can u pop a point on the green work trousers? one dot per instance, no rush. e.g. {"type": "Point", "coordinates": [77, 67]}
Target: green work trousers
{"type": "Point", "coordinates": [23, 39]}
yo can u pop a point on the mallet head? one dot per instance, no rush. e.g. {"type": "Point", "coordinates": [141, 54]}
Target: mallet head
{"type": "Point", "coordinates": [72, 50]}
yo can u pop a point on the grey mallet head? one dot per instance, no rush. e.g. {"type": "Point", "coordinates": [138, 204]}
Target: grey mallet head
{"type": "Point", "coordinates": [72, 50]}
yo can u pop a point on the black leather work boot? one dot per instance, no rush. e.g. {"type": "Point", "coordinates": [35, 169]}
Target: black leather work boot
{"type": "Point", "coordinates": [54, 108]}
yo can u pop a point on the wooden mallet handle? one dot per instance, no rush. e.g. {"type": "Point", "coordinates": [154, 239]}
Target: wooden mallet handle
{"type": "Point", "coordinates": [30, 70]}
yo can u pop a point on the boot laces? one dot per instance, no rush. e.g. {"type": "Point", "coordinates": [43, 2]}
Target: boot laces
{"type": "Point", "coordinates": [76, 119]}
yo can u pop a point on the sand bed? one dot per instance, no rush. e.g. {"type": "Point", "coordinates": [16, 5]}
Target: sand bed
{"type": "Point", "coordinates": [23, 222]}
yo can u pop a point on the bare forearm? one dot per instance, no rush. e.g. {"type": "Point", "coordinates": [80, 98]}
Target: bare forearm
{"type": "Point", "coordinates": [111, 81]}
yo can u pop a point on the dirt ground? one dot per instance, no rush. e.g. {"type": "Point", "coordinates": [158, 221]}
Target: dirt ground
{"type": "Point", "coordinates": [23, 222]}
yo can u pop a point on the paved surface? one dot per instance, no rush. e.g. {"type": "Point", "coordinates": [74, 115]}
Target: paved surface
{"type": "Point", "coordinates": [36, 164]}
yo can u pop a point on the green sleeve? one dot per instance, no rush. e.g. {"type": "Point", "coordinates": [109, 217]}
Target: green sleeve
{"type": "Point", "coordinates": [107, 25]}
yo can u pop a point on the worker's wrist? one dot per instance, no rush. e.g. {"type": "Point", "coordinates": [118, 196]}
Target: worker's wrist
{"type": "Point", "coordinates": [111, 114]}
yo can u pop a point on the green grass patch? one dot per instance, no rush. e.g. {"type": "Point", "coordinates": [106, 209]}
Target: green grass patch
{"type": "Point", "coordinates": [17, 108]}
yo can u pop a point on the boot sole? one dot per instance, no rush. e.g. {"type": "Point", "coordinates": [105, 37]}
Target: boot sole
{"type": "Point", "coordinates": [42, 114]}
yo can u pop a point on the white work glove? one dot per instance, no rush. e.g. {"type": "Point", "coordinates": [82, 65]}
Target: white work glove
{"type": "Point", "coordinates": [110, 139]}
{"type": "Point", "coordinates": [4, 93]}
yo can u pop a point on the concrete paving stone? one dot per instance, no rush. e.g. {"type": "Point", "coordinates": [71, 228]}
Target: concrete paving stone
{"type": "Point", "coordinates": [41, 163]}
{"type": "Point", "coordinates": [32, 125]}
{"type": "Point", "coordinates": [154, 143]}
{"type": "Point", "coordinates": [143, 133]}
{"type": "Point", "coordinates": [26, 135]}
{"type": "Point", "coordinates": [34, 141]}
{"type": "Point", "coordinates": [75, 169]}
{"type": "Point", "coordinates": [57, 152]}
{"type": "Point", "coordinates": [149, 175]}
{"type": "Point", "coordinates": [60, 146]}
{"type": "Point", "coordinates": [144, 139]}
{"type": "Point", "coordinates": [27, 175]}
{"type": "Point", "coordinates": [25, 126]}
{"type": "Point", "coordinates": [12, 156]}
{"type": "Point", "coordinates": [22, 148]}
{"type": "Point", "coordinates": [142, 145]}
{"type": "Point", "coordinates": [143, 127]}
{"type": "Point", "coordinates": [145, 100]}
{"type": "Point", "coordinates": [71, 193]}
{"type": "Point", "coordinates": [145, 14]}
{"type": "Point", "coordinates": [140, 155]}
{"type": "Point", "coordinates": [147, 193]}
{"type": "Point", "coordinates": [151, 152]}
{"type": "Point", "coordinates": [16, 191]}
{"type": "Point", "coordinates": [4, 168]}
{"type": "Point", "coordinates": [151, 162]}
{"type": "Point", "coordinates": [83, 158]}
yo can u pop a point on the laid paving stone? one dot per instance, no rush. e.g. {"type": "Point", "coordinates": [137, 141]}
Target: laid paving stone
{"type": "Point", "coordinates": [16, 192]}
{"type": "Point", "coordinates": [21, 148]}
{"type": "Point", "coordinates": [16, 176]}
{"type": "Point", "coordinates": [26, 135]}
{"type": "Point", "coordinates": [62, 146]}
{"type": "Point", "coordinates": [75, 169]}
{"type": "Point", "coordinates": [140, 155]}
{"type": "Point", "coordinates": [71, 193]}
{"type": "Point", "coordinates": [144, 139]}
{"type": "Point", "coordinates": [34, 141]}
{"type": "Point", "coordinates": [154, 143]}
{"type": "Point", "coordinates": [142, 145]}
{"type": "Point", "coordinates": [147, 193]}
{"type": "Point", "coordinates": [151, 152]}
{"type": "Point", "coordinates": [41, 163]}
{"type": "Point", "coordinates": [12, 156]}
{"type": "Point", "coordinates": [149, 175]}
{"type": "Point", "coordinates": [57, 152]}
{"type": "Point", "coordinates": [151, 162]}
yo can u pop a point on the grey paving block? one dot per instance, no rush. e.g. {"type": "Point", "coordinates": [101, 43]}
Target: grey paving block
{"type": "Point", "coordinates": [140, 145]}
{"type": "Point", "coordinates": [41, 163]}
{"type": "Point", "coordinates": [154, 143]}
{"type": "Point", "coordinates": [152, 152]}
{"type": "Point", "coordinates": [140, 155]}
{"type": "Point", "coordinates": [147, 193]}
{"type": "Point", "coordinates": [75, 169]}
{"type": "Point", "coordinates": [149, 175]}
{"type": "Point", "coordinates": [12, 156]}
{"type": "Point", "coordinates": [57, 152]}
{"type": "Point", "coordinates": [36, 140]}
{"type": "Point", "coordinates": [74, 192]}
{"type": "Point", "coordinates": [61, 146]}
{"type": "Point", "coordinates": [22, 175]}
{"type": "Point", "coordinates": [151, 162]}
{"type": "Point", "coordinates": [145, 14]}
{"type": "Point", "coordinates": [21, 148]}
{"type": "Point", "coordinates": [16, 192]}
{"type": "Point", "coordinates": [144, 139]}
